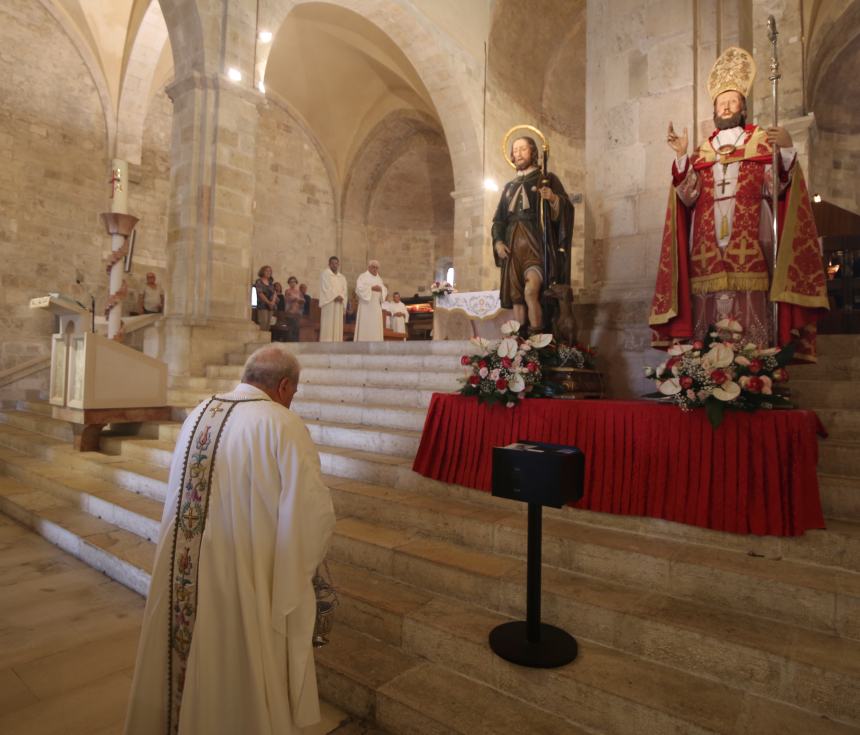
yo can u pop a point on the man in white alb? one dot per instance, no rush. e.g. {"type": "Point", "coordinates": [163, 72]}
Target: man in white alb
{"type": "Point", "coordinates": [398, 314]}
{"type": "Point", "coordinates": [371, 293]}
{"type": "Point", "coordinates": [333, 294]}
{"type": "Point", "coordinates": [226, 640]}
{"type": "Point", "coordinates": [151, 297]}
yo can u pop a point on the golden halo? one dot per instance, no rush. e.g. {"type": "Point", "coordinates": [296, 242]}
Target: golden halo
{"type": "Point", "coordinates": [530, 128]}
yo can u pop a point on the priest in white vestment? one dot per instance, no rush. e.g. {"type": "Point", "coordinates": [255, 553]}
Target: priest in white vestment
{"type": "Point", "coordinates": [371, 293]}
{"type": "Point", "coordinates": [226, 641]}
{"type": "Point", "coordinates": [398, 314]}
{"type": "Point", "coordinates": [333, 295]}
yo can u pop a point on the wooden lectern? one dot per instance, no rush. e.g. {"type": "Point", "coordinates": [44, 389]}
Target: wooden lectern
{"type": "Point", "coordinates": [97, 381]}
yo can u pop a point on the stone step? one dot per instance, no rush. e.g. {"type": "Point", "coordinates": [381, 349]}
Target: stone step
{"type": "Point", "coordinates": [135, 476]}
{"type": "Point", "coordinates": [590, 543]}
{"type": "Point", "coordinates": [814, 394]}
{"type": "Point", "coordinates": [839, 457]}
{"type": "Point", "coordinates": [120, 554]}
{"type": "Point", "coordinates": [794, 593]}
{"type": "Point", "coordinates": [818, 565]}
{"type": "Point", "coordinates": [663, 652]}
{"type": "Point", "coordinates": [840, 496]}
{"type": "Point", "coordinates": [81, 490]}
{"type": "Point", "coordinates": [415, 362]}
{"type": "Point", "coordinates": [841, 423]}
{"type": "Point", "coordinates": [37, 422]}
{"type": "Point", "coordinates": [399, 443]}
{"type": "Point", "coordinates": [834, 366]}
{"type": "Point", "coordinates": [405, 694]}
{"type": "Point", "coordinates": [418, 347]}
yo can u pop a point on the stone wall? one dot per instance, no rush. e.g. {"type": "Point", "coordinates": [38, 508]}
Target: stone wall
{"type": "Point", "coordinates": [53, 164]}
{"type": "Point", "coordinates": [836, 173]}
{"type": "Point", "coordinates": [410, 216]}
{"type": "Point", "coordinates": [294, 220]}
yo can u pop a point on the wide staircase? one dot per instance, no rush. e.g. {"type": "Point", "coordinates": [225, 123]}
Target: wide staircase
{"type": "Point", "coordinates": [681, 630]}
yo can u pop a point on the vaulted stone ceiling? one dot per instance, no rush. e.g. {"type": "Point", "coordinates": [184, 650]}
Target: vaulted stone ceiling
{"type": "Point", "coordinates": [342, 75]}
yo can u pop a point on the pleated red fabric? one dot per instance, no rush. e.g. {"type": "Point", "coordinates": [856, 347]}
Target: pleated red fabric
{"type": "Point", "coordinates": [756, 474]}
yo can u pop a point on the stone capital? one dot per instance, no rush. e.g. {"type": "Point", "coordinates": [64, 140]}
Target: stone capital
{"type": "Point", "coordinates": [196, 81]}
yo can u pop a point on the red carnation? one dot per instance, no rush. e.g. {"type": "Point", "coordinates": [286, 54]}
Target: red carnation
{"type": "Point", "coordinates": [482, 363]}
{"type": "Point", "coordinates": [686, 381]}
{"type": "Point", "coordinates": [501, 384]}
{"type": "Point", "coordinates": [755, 366]}
{"type": "Point", "coordinates": [698, 344]}
{"type": "Point", "coordinates": [474, 380]}
{"type": "Point", "coordinates": [719, 377]}
{"type": "Point", "coordinates": [532, 367]}
{"type": "Point", "coordinates": [754, 385]}
{"type": "Point", "coordinates": [506, 362]}
{"type": "Point", "coordinates": [465, 360]}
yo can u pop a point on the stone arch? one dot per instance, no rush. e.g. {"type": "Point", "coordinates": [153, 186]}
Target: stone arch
{"type": "Point", "coordinates": [143, 58]}
{"type": "Point", "coordinates": [92, 65]}
{"type": "Point", "coordinates": [457, 110]}
{"type": "Point", "coordinates": [185, 30]}
{"type": "Point", "coordinates": [833, 86]}
{"type": "Point", "coordinates": [396, 200]}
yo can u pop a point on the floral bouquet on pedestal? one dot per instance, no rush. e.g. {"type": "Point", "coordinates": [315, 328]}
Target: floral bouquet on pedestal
{"type": "Point", "coordinates": [723, 372]}
{"type": "Point", "coordinates": [504, 370]}
{"type": "Point", "coordinates": [440, 288]}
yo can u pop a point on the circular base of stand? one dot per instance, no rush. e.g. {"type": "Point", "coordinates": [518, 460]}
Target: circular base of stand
{"type": "Point", "coordinates": [555, 647]}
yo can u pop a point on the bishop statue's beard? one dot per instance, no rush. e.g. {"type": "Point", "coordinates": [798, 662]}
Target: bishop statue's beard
{"type": "Point", "coordinates": [725, 123]}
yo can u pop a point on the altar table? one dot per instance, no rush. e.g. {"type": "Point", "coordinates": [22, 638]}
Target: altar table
{"type": "Point", "coordinates": [755, 474]}
{"type": "Point", "coordinates": [466, 314]}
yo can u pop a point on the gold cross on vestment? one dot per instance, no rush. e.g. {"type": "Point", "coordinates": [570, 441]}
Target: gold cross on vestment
{"type": "Point", "coordinates": [215, 410]}
{"type": "Point", "coordinates": [703, 259]}
{"type": "Point", "coordinates": [742, 250]}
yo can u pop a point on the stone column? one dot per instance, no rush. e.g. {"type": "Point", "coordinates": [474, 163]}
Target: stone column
{"type": "Point", "coordinates": [210, 220]}
{"type": "Point", "coordinates": [474, 267]}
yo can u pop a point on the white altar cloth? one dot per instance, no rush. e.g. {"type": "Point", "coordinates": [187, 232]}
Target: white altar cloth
{"type": "Point", "coordinates": [458, 316]}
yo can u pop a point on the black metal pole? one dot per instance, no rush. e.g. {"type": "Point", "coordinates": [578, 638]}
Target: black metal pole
{"type": "Point", "coordinates": [533, 567]}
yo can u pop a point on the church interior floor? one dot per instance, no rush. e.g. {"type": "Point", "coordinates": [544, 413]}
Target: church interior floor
{"type": "Point", "coordinates": [681, 630]}
{"type": "Point", "coordinates": [68, 636]}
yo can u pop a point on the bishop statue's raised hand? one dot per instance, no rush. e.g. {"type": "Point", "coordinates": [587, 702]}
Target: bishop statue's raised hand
{"type": "Point", "coordinates": [677, 143]}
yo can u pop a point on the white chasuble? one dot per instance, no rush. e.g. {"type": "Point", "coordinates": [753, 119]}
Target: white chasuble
{"type": "Point", "coordinates": [247, 654]}
{"type": "Point", "coordinates": [368, 320]}
{"type": "Point", "coordinates": [332, 285]}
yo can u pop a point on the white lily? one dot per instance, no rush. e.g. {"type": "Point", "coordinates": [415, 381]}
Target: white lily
{"type": "Point", "coordinates": [720, 355]}
{"type": "Point", "coordinates": [508, 347]}
{"type": "Point", "coordinates": [730, 325]}
{"type": "Point", "coordinates": [679, 349]}
{"type": "Point", "coordinates": [510, 327]}
{"type": "Point", "coordinates": [516, 384]}
{"type": "Point", "coordinates": [539, 341]}
{"type": "Point", "coordinates": [669, 387]}
{"type": "Point", "coordinates": [482, 345]}
{"type": "Point", "coordinates": [728, 391]}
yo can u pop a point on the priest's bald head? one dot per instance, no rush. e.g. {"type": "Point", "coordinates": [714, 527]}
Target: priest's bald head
{"type": "Point", "coordinates": [275, 371]}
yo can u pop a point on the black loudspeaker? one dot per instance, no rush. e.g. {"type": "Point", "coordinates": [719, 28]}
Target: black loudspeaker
{"type": "Point", "coordinates": [535, 472]}
{"type": "Point", "coordinates": [538, 474]}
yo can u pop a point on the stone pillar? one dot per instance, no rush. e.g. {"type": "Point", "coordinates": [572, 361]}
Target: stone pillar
{"type": "Point", "coordinates": [210, 220]}
{"type": "Point", "coordinates": [473, 259]}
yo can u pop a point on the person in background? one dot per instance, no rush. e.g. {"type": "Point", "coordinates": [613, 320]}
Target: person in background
{"type": "Point", "coordinates": [295, 302]}
{"type": "Point", "coordinates": [398, 314]}
{"type": "Point", "coordinates": [333, 294]}
{"type": "Point", "coordinates": [280, 303]}
{"type": "Point", "coordinates": [152, 297]}
{"type": "Point", "coordinates": [265, 297]}
{"type": "Point", "coordinates": [371, 293]}
{"type": "Point", "coordinates": [306, 310]}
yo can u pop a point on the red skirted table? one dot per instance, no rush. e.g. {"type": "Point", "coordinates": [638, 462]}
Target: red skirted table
{"type": "Point", "coordinates": [755, 474]}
